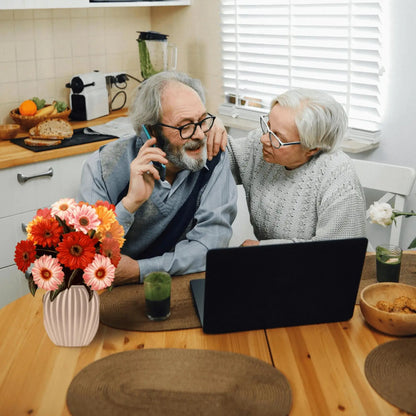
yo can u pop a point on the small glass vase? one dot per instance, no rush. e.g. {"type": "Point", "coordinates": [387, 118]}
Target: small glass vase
{"type": "Point", "coordinates": [71, 319]}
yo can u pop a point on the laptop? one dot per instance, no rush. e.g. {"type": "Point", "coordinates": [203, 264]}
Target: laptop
{"type": "Point", "coordinates": [279, 285]}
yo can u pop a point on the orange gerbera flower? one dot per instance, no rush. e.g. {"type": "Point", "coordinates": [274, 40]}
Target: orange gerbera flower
{"type": "Point", "coordinates": [115, 231]}
{"type": "Point", "coordinates": [76, 250]}
{"type": "Point", "coordinates": [24, 254]}
{"type": "Point", "coordinates": [106, 216]}
{"type": "Point", "coordinates": [45, 232]}
{"type": "Point", "coordinates": [111, 249]}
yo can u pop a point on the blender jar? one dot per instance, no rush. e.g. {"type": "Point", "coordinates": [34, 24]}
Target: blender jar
{"type": "Point", "coordinates": [155, 53]}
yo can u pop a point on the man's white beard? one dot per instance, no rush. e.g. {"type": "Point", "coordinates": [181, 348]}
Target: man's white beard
{"type": "Point", "coordinates": [180, 159]}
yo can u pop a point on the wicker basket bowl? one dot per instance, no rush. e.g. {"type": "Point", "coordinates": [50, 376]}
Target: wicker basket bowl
{"type": "Point", "coordinates": [27, 122]}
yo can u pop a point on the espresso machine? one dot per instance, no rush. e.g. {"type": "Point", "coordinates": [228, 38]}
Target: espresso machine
{"type": "Point", "coordinates": [90, 95]}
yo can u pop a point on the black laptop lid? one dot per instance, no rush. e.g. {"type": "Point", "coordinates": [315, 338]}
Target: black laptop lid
{"type": "Point", "coordinates": [282, 285]}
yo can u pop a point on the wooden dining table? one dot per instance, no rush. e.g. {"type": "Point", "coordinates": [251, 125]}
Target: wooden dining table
{"type": "Point", "coordinates": [323, 363]}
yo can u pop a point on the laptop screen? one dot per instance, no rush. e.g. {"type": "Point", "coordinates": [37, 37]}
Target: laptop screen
{"type": "Point", "coordinates": [281, 285]}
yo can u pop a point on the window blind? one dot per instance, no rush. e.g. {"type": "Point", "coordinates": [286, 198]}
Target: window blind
{"type": "Point", "coordinates": [269, 46]}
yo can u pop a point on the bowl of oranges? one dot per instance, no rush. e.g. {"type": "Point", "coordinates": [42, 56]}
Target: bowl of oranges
{"type": "Point", "coordinates": [33, 111]}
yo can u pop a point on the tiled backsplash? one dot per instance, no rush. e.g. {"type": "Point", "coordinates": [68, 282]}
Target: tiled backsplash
{"type": "Point", "coordinates": [41, 50]}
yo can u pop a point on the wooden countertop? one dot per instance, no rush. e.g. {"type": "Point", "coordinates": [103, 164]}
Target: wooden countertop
{"type": "Point", "coordinates": [14, 155]}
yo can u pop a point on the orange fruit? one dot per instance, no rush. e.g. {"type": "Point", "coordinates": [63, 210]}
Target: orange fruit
{"type": "Point", "coordinates": [28, 108]}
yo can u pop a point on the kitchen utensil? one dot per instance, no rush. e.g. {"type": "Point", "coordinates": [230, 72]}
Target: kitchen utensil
{"type": "Point", "coordinates": [155, 53]}
{"type": "Point", "coordinates": [8, 131]}
{"type": "Point", "coordinates": [392, 323]}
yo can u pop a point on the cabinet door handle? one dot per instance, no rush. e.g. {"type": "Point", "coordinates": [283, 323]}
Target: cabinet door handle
{"type": "Point", "coordinates": [24, 227]}
{"type": "Point", "coordinates": [23, 178]}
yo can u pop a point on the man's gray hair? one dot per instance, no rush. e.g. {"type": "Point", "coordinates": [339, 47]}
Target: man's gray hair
{"type": "Point", "coordinates": [146, 107]}
{"type": "Point", "coordinates": [321, 121]}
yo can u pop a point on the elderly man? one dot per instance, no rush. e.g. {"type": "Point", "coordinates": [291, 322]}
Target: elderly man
{"type": "Point", "coordinates": [171, 216]}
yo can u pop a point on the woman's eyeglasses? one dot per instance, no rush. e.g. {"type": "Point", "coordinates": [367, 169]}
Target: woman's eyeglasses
{"type": "Point", "coordinates": [274, 140]}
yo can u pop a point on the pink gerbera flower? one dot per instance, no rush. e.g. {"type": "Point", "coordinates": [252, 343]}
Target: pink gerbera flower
{"type": "Point", "coordinates": [100, 273]}
{"type": "Point", "coordinates": [47, 273]}
{"type": "Point", "coordinates": [62, 208]}
{"type": "Point", "coordinates": [83, 218]}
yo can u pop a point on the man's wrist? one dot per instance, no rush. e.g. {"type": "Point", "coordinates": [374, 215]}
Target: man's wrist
{"type": "Point", "coordinates": [129, 206]}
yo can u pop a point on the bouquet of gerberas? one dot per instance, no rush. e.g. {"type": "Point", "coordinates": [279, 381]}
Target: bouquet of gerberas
{"type": "Point", "coordinates": [71, 243]}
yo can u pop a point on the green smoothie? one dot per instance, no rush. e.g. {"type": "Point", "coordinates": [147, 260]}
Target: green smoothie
{"type": "Point", "coordinates": [157, 287]}
{"type": "Point", "coordinates": [388, 262]}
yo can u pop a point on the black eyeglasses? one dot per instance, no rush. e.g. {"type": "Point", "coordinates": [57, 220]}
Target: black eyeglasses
{"type": "Point", "coordinates": [274, 140]}
{"type": "Point", "coordinates": [188, 130]}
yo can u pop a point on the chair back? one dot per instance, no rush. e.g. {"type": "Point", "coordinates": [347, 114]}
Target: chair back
{"type": "Point", "coordinates": [395, 181]}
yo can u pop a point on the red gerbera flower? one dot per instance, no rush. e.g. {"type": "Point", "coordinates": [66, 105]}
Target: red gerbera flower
{"type": "Point", "coordinates": [24, 254]}
{"type": "Point", "coordinates": [76, 250]}
{"type": "Point", "coordinates": [105, 204]}
{"type": "Point", "coordinates": [44, 212]}
{"type": "Point", "coordinates": [111, 249]}
{"type": "Point", "coordinates": [46, 232]}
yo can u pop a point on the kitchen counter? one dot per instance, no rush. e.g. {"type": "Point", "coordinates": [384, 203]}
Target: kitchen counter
{"type": "Point", "coordinates": [14, 155]}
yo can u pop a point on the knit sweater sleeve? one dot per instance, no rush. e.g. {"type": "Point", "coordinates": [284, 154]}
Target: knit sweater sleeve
{"type": "Point", "coordinates": [242, 156]}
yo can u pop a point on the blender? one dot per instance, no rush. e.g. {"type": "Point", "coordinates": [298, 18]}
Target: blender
{"type": "Point", "coordinates": [155, 53]}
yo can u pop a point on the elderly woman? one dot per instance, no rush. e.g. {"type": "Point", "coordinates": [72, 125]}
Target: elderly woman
{"type": "Point", "coordinates": [299, 186]}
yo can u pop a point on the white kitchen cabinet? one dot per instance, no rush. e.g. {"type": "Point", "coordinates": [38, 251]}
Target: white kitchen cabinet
{"type": "Point", "coordinates": [49, 181]}
{"type": "Point", "coordinates": [13, 285]}
{"type": "Point", "coordinates": [68, 4]}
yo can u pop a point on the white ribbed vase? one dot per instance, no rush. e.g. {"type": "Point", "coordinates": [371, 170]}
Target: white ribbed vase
{"type": "Point", "coordinates": [71, 319]}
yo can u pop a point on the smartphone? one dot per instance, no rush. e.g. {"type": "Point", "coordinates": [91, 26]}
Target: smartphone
{"type": "Point", "coordinates": [161, 168]}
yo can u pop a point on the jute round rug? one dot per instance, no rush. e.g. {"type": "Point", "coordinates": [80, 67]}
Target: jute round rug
{"type": "Point", "coordinates": [170, 382]}
{"type": "Point", "coordinates": [124, 307]}
{"type": "Point", "coordinates": [391, 370]}
{"type": "Point", "coordinates": [407, 270]}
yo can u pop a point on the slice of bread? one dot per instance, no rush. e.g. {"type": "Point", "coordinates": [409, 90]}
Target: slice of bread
{"type": "Point", "coordinates": [30, 141]}
{"type": "Point", "coordinates": [52, 128]}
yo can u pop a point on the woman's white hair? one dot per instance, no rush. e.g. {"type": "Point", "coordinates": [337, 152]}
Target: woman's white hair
{"type": "Point", "coordinates": [321, 121]}
{"type": "Point", "coordinates": [146, 107]}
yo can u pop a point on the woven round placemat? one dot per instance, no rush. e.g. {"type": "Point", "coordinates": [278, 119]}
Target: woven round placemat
{"type": "Point", "coordinates": [170, 382]}
{"type": "Point", "coordinates": [124, 307]}
{"type": "Point", "coordinates": [391, 370]}
{"type": "Point", "coordinates": [407, 271]}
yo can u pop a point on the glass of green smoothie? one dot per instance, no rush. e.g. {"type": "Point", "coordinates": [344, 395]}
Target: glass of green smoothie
{"type": "Point", "coordinates": [157, 286]}
{"type": "Point", "coordinates": [388, 262]}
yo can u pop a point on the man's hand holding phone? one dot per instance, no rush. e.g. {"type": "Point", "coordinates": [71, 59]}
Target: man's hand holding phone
{"type": "Point", "coordinates": [161, 168]}
{"type": "Point", "coordinates": [143, 174]}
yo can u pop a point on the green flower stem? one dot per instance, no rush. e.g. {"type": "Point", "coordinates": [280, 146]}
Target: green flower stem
{"type": "Point", "coordinates": [406, 215]}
